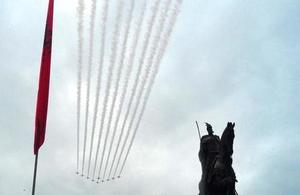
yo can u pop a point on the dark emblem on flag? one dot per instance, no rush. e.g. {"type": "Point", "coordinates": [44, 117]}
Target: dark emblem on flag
{"type": "Point", "coordinates": [48, 39]}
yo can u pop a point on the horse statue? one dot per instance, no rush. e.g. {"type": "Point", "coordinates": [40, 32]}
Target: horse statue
{"type": "Point", "coordinates": [218, 176]}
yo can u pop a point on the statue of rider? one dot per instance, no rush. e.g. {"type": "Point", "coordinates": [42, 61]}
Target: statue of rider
{"type": "Point", "coordinates": [209, 148]}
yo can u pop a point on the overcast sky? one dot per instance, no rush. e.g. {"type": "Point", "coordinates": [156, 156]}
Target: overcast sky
{"type": "Point", "coordinates": [227, 61]}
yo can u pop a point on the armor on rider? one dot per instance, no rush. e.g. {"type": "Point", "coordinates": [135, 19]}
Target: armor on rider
{"type": "Point", "coordinates": [209, 148]}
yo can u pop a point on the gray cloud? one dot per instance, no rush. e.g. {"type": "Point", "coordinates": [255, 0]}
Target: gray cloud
{"type": "Point", "coordinates": [229, 60]}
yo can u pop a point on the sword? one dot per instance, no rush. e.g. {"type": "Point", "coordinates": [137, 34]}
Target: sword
{"type": "Point", "coordinates": [198, 130]}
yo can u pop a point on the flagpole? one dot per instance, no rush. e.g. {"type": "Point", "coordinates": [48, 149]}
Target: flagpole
{"type": "Point", "coordinates": [34, 173]}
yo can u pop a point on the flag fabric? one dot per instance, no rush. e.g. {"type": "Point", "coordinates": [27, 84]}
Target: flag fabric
{"type": "Point", "coordinates": [43, 90]}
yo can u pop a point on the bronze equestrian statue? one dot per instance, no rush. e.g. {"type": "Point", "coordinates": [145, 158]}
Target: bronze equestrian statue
{"type": "Point", "coordinates": [215, 155]}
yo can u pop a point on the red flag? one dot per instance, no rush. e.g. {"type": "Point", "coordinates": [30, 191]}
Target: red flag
{"type": "Point", "coordinates": [43, 91]}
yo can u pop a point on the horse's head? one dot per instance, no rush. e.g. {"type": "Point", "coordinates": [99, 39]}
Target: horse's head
{"type": "Point", "coordinates": [227, 139]}
{"type": "Point", "coordinates": [230, 125]}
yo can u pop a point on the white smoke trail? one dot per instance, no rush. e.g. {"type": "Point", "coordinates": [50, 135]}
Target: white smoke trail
{"type": "Point", "coordinates": [153, 51]}
{"type": "Point", "coordinates": [117, 84]}
{"type": "Point", "coordinates": [99, 78]}
{"type": "Point", "coordinates": [128, 74]}
{"type": "Point", "coordinates": [132, 54]}
{"type": "Point", "coordinates": [140, 65]}
{"type": "Point", "coordinates": [108, 86]}
{"type": "Point", "coordinates": [161, 52]}
{"type": "Point", "coordinates": [90, 61]}
{"type": "Point", "coordinates": [80, 10]}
